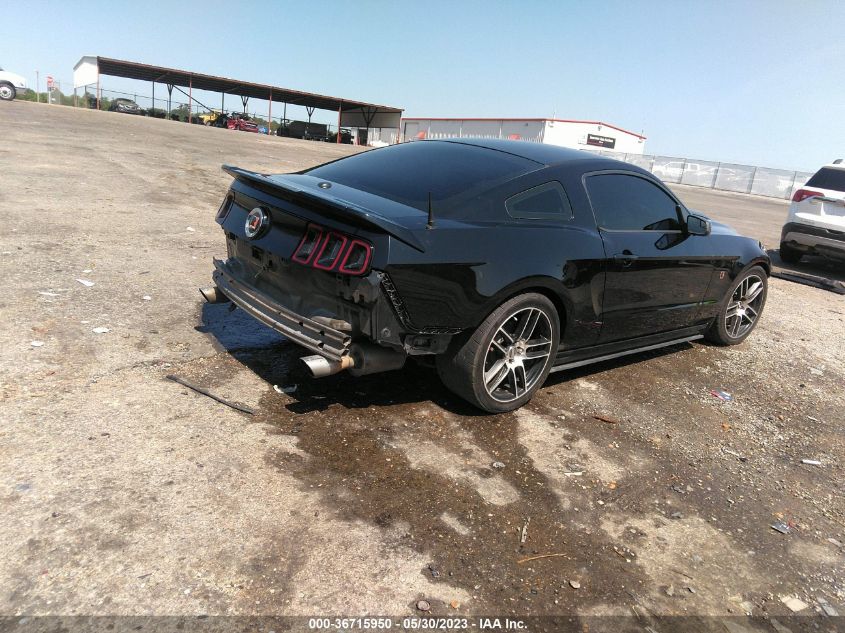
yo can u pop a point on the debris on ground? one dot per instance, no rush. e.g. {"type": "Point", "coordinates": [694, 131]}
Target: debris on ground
{"type": "Point", "coordinates": [724, 396]}
{"type": "Point", "coordinates": [147, 298]}
{"type": "Point", "coordinates": [497, 465]}
{"type": "Point", "coordinates": [423, 605]}
{"type": "Point", "coordinates": [85, 282]}
{"type": "Point", "coordinates": [670, 590]}
{"type": "Point", "coordinates": [605, 418]}
{"type": "Point", "coordinates": [793, 604]}
{"type": "Point", "coordinates": [781, 527]}
{"type": "Point", "coordinates": [828, 610]}
{"type": "Point", "coordinates": [454, 604]}
{"type": "Point", "coordinates": [190, 229]}
{"type": "Point", "coordinates": [433, 571]}
{"type": "Point", "coordinates": [676, 515]}
{"type": "Point", "coordinates": [205, 392]}
{"type": "Point", "coordinates": [530, 558]}
{"type": "Point", "coordinates": [37, 343]}
{"type": "Point", "coordinates": [48, 293]}
{"type": "Point", "coordinates": [574, 584]}
{"type": "Point", "coordinates": [816, 282]}
{"type": "Point", "coordinates": [523, 535]}
{"type": "Point", "coordinates": [811, 462]}
{"type": "Point", "coordinates": [289, 389]}
{"type": "Point", "coordinates": [100, 330]}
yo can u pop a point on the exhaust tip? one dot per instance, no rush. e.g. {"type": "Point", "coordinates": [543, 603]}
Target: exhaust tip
{"type": "Point", "coordinates": [320, 366]}
{"type": "Point", "coordinates": [213, 295]}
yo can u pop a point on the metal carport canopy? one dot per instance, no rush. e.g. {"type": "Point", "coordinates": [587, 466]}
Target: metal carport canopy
{"type": "Point", "coordinates": [353, 113]}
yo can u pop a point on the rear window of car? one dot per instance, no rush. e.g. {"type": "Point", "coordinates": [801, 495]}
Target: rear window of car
{"type": "Point", "coordinates": [828, 178]}
{"type": "Point", "coordinates": [409, 172]}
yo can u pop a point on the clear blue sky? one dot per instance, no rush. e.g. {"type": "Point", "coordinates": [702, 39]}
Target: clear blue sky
{"type": "Point", "coordinates": [754, 82]}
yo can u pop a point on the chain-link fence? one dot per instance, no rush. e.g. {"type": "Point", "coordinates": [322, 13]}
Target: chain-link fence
{"type": "Point", "coordinates": [760, 181]}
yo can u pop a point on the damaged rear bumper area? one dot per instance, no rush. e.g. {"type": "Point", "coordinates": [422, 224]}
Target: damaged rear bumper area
{"type": "Point", "coordinates": [330, 338]}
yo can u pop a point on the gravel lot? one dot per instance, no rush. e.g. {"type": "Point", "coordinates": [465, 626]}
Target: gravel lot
{"type": "Point", "coordinates": [123, 493]}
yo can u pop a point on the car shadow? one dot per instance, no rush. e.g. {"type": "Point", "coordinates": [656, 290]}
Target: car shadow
{"type": "Point", "coordinates": [815, 266]}
{"type": "Point", "coordinates": [276, 361]}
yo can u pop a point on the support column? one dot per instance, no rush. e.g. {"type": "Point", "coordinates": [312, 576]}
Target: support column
{"type": "Point", "coordinates": [339, 110]}
{"type": "Point", "coordinates": [270, 113]}
{"type": "Point", "coordinates": [98, 86]}
{"type": "Point", "coordinates": [190, 98]}
{"type": "Point", "coordinates": [154, 99]}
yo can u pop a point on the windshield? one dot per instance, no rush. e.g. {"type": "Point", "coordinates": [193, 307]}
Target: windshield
{"type": "Point", "coordinates": [828, 178]}
{"type": "Point", "coordinates": [410, 172]}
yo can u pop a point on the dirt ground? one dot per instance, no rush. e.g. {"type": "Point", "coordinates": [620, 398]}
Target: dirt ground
{"type": "Point", "coordinates": [123, 493]}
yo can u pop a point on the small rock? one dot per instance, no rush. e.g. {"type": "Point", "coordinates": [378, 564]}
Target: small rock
{"type": "Point", "coordinates": [289, 389]}
{"type": "Point", "coordinates": [454, 604]}
{"type": "Point", "coordinates": [434, 572]}
{"type": "Point", "coordinates": [747, 606]}
{"type": "Point", "coordinates": [37, 343]}
{"type": "Point", "coordinates": [100, 330]}
{"type": "Point", "coordinates": [670, 590]}
{"type": "Point", "coordinates": [85, 282]}
{"type": "Point", "coordinates": [691, 589]}
{"type": "Point", "coordinates": [147, 298]}
{"type": "Point", "coordinates": [190, 228]}
{"type": "Point", "coordinates": [676, 515]}
{"type": "Point", "coordinates": [811, 462]}
{"type": "Point", "coordinates": [423, 605]}
{"type": "Point", "coordinates": [497, 465]}
{"type": "Point", "coordinates": [793, 604]}
{"type": "Point", "coordinates": [574, 584]}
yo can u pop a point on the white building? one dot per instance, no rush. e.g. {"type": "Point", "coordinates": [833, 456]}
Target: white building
{"type": "Point", "coordinates": [591, 135]}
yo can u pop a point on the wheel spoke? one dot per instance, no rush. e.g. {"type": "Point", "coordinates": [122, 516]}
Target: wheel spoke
{"type": "Point", "coordinates": [735, 329]}
{"type": "Point", "coordinates": [754, 291]}
{"type": "Point", "coordinates": [733, 310]}
{"type": "Point", "coordinates": [499, 347]}
{"type": "Point", "coordinates": [494, 376]}
{"type": "Point", "coordinates": [751, 313]}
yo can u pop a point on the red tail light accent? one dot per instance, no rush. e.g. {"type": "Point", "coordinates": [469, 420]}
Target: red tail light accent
{"type": "Point", "coordinates": [333, 251]}
{"type": "Point", "coordinates": [803, 194]}
{"type": "Point", "coordinates": [330, 252]}
{"type": "Point", "coordinates": [308, 244]}
{"type": "Point", "coordinates": [357, 258]}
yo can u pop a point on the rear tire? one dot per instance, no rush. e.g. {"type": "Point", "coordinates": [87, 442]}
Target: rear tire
{"type": "Point", "coordinates": [741, 308]}
{"type": "Point", "coordinates": [789, 255]}
{"type": "Point", "coordinates": [7, 91]}
{"type": "Point", "coordinates": [501, 365]}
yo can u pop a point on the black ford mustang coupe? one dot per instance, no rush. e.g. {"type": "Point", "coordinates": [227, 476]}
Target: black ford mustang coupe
{"type": "Point", "coordinates": [501, 261]}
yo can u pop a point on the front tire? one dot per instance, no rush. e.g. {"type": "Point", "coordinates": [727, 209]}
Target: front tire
{"type": "Point", "coordinates": [789, 255]}
{"type": "Point", "coordinates": [501, 365]}
{"type": "Point", "coordinates": [7, 91]}
{"type": "Point", "coordinates": [741, 308]}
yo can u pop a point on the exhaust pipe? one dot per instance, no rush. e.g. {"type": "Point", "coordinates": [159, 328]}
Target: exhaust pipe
{"type": "Point", "coordinates": [362, 359]}
{"type": "Point", "coordinates": [320, 366]}
{"type": "Point", "coordinates": [214, 295]}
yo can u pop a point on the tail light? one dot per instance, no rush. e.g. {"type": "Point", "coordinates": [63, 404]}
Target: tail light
{"type": "Point", "coordinates": [333, 251]}
{"type": "Point", "coordinates": [223, 211]}
{"type": "Point", "coordinates": [803, 194]}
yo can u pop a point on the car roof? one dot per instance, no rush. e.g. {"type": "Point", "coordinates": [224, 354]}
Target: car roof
{"type": "Point", "coordinates": [541, 153]}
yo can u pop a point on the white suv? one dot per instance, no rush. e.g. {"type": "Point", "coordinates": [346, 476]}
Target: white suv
{"type": "Point", "coordinates": [10, 84]}
{"type": "Point", "coordinates": [816, 220]}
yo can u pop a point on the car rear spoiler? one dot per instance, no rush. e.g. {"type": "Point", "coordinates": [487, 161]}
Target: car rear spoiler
{"type": "Point", "coordinates": [330, 206]}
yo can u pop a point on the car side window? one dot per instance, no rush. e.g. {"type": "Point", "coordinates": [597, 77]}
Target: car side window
{"type": "Point", "coordinates": [546, 201]}
{"type": "Point", "coordinates": [629, 203]}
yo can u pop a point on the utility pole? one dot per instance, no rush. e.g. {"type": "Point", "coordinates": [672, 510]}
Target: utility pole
{"type": "Point", "coordinates": [37, 87]}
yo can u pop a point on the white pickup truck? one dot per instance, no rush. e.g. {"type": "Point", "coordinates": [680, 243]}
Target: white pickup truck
{"type": "Point", "coordinates": [10, 84]}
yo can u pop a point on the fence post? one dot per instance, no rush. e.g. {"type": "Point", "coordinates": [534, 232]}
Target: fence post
{"type": "Point", "coordinates": [716, 175]}
{"type": "Point", "coordinates": [653, 157]}
{"type": "Point", "coordinates": [683, 169]}
{"type": "Point", "coordinates": [790, 190]}
{"type": "Point", "coordinates": [751, 183]}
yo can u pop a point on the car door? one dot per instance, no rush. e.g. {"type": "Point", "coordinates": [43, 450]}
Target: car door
{"type": "Point", "coordinates": [655, 278]}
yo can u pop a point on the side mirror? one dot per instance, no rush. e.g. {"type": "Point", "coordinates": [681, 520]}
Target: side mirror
{"type": "Point", "coordinates": [697, 225]}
